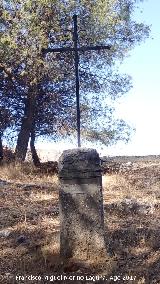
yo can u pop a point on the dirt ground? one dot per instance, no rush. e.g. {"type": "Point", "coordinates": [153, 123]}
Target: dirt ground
{"type": "Point", "coordinates": [29, 228]}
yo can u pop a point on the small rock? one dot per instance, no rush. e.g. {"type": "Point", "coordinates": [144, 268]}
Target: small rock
{"type": "Point", "coordinates": [30, 187]}
{"type": "Point", "coordinates": [53, 210]}
{"type": "Point", "coordinates": [8, 276]}
{"type": "Point", "coordinates": [3, 182]}
{"type": "Point", "coordinates": [146, 208]}
{"type": "Point", "coordinates": [5, 233]}
{"type": "Point", "coordinates": [129, 205]}
{"type": "Point", "coordinates": [15, 215]}
{"type": "Point", "coordinates": [21, 239]}
{"type": "Point", "coordinates": [27, 187]}
{"type": "Point", "coordinates": [124, 167]}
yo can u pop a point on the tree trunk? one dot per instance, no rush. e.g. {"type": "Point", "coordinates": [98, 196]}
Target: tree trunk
{"type": "Point", "coordinates": [26, 127]}
{"type": "Point", "coordinates": [1, 149]}
{"type": "Point", "coordinates": [35, 157]}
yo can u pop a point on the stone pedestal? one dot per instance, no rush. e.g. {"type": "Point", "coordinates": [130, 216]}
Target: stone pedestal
{"type": "Point", "coordinates": [81, 205]}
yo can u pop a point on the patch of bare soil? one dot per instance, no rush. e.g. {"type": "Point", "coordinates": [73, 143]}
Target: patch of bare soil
{"type": "Point", "coordinates": [29, 230]}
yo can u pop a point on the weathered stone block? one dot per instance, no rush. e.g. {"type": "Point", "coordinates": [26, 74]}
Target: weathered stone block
{"type": "Point", "coordinates": [81, 205]}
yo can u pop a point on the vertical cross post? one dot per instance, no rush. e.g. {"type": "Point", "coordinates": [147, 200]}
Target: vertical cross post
{"type": "Point", "coordinates": [76, 59]}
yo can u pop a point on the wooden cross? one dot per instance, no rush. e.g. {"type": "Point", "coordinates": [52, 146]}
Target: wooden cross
{"type": "Point", "coordinates": [76, 50]}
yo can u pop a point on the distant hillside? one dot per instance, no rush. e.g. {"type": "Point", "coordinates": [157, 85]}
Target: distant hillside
{"type": "Point", "coordinates": [125, 159]}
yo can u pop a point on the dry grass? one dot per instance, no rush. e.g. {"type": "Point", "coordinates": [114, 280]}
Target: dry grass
{"type": "Point", "coordinates": [30, 219]}
{"type": "Point", "coordinates": [26, 172]}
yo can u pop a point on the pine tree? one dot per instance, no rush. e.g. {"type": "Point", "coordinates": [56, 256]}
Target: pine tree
{"type": "Point", "coordinates": [40, 90]}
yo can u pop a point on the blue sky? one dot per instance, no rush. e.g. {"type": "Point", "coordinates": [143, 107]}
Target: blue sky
{"type": "Point", "coordinates": [141, 106]}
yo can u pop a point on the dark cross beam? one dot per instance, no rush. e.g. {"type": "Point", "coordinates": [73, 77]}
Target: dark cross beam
{"type": "Point", "coordinates": [76, 50]}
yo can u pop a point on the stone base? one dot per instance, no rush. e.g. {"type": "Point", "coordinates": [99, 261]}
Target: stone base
{"type": "Point", "coordinates": [81, 205]}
